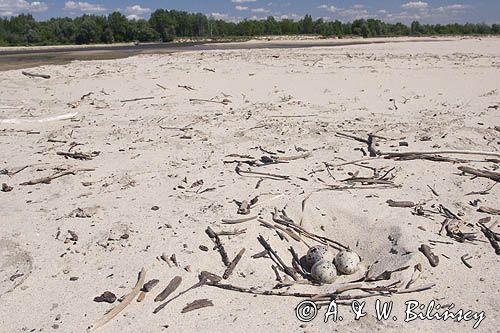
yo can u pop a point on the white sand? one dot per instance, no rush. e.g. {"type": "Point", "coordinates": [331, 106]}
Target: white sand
{"type": "Point", "coordinates": [442, 90]}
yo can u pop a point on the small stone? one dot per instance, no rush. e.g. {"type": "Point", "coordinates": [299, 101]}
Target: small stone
{"type": "Point", "coordinates": [203, 248]}
{"type": "Point", "coordinates": [148, 286]}
{"type": "Point", "coordinates": [6, 188]}
{"type": "Point", "coordinates": [73, 278]}
{"type": "Point", "coordinates": [425, 138]}
{"type": "Point", "coordinates": [106, 296]}
{"type": "Point", "coordinates": [155, 208]}
{"type": "Point", "coordinates": [55, 326]}
{"type": "Point", "coordinates": [403, 144]}
{"type": "Point", "coordinates": [125, 236]}
{"type": "Point", "coordinates": [141, 296]}
{"type": "Point", "coordinates": [73, 236]}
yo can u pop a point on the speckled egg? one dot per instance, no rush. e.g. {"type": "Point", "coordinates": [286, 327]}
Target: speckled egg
{"type": "Point", "coordinates": [347, 262]}
{"type": "Point", "coordinates": [317, 253]}
{"type": "Point", "coordinates": [324, 271]}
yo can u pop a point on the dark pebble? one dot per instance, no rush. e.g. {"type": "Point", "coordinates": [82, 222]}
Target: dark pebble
{"type": "Point", "coordinates": [6, 188]}
{"type": "Point", "coordinates": [403, 144]}
{"type": "Point", "coordinates": [155, 208]}
{"type": "Point", "coordinates": [106, 296]}
{"type": "Point", "coordinates": [148, 286]}
{"type": "Point", "coordinates": [73, 278]}
{"type": "Point", "coordinates": [425, 138]}
{"type": "Point", "coordinates": [203, 248]}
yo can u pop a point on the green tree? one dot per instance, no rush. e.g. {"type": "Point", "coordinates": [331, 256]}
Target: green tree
{"type": "Point", "coordinates": [415, 28]}
{"type": "Point", "coordinates": [306, 25]}
{"type": "Point", "coordinates": [119, 27]}
{"type": "Point", "coordinates": [87, 30]}
{"type": "Point", "coordinates": [164, 24]}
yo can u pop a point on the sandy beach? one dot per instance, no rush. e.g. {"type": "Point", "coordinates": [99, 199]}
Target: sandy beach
{"type": "Point", "coordinates": [142, 154]}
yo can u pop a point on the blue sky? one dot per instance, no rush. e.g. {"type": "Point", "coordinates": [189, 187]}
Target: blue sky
{"type": "Point", "coordinates": [430, 11]}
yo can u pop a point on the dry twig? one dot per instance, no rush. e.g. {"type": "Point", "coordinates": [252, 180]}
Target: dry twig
{"type": "Point", "coordinates": [119, 308]}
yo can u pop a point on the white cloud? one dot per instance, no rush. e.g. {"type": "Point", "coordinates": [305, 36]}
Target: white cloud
{"type": "Point", "coordinates": [415, 5]}
{"type": "Point", "coordinates": [288, 16]}
{"type": "Point", "coordinates": [332, 9]}
{"type": "Point", "coordinates": [242, 1]}
{"type": "Point", "coordinates": [225, 17]}
{"type": "Point", "coordinates": [84, 7]}
{"type": "Point", "coordinates": [219, 16]}
{"type": "Point", "coordinates": [13, 7]}
{"type": "Point", "coordinates": [136, 11]}
{"type": "Point", "coordinates": [259, 10]}
{"type": "Point", "coordinates": [241, 8]}
{"type": "Point", "coordinates": [354, 13]}
{"type": "Point", "coordinates": [133, 17]}
{"type": "Point", "coordinates": [454, 7]}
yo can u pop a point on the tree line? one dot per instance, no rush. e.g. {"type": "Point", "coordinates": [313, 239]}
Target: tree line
{"type": "Point", "coordinates": [166, 25]}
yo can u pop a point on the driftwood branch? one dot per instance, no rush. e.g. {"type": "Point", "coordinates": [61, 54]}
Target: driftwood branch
{"type": "Point", "coordinates": [43, 76]}
{"type": "Point", "coordinates": [274, 256]}
{"type": "Point", "coordinates": [265, 174]}
{"type": "Point", "coordinates": [481, 173]}
{"type": "Point", "coordinates": [236, 221]}
{"type": "Point", "coordinates": [215, 238]}
{"type": "Point", "coordinates": [224, 101]}
{"type": "Point", "coordinates": [79, 155]}
{"type": "Point", "coordinates": [453, 152]}
{"type": "Point", "coordinates": [47, 180]}
{"type": "Point", "coordinates": [233, 264]}
{"type": "Point", "coordinates": [117, 309]}
{"type": "Point", "coordinates": [376, 291]}
{"type": "Point", "coordinates": [136, 99]}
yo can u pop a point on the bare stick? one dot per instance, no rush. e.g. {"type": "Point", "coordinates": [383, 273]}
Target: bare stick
{"type": "Point", "coordinates": [481, 173]}
{"type": "Point", "coordinates": [269, 175]}
{"type": "Point", "coordinates": [117, 309]}
{"type": "Point", "coordinates": [233, 264]}
{"type": "Point", "coordinates": [456, 152]}
{"type": "Point", "coordinates": [492, 237]}
{"type": "Point", "coordinates": [292, 158]}
{"type": "Point", "coordinates": [136, 99]}
{"type": "Point", "coordinates": [47, 180]}
{"type": "Point", "coordinates": [172, 286]}
{"type": "Point", "coordinates": [186, 87]}
{"type": "Point", "coordinates": [215, 238]}
{"type": "Point", "coordinates": [433, 259]}
{"type": "Point", "coordinates": [488, 210]}
{"type": "Point", "coordinates": [285, 268]}
{"type": "Point", "coordinates": [295, 116]}
{"type": "Point", "coordinates": [464, 260]}
{"type": "Point", "coordinates": [246, 219]}
{"type": "Point", "coordinates": [43, 76]}
{"type": "Point", "coordinates": [198, 304]}
{"type": "Point", "coordinates": [79, 156]}
{"type": "Point", "coordinates": [334, 294]}
{"type": "Point", "coordinates": [224, 102]}
{"type": "Point", "coordinates": [204, 277]}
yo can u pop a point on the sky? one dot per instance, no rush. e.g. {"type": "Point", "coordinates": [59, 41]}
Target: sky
{"type": "Point", "coordinates": [430, 11]}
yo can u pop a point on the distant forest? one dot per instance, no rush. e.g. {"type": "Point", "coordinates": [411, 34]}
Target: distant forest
{"type": "Point", "coordinates": [166, 25]}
